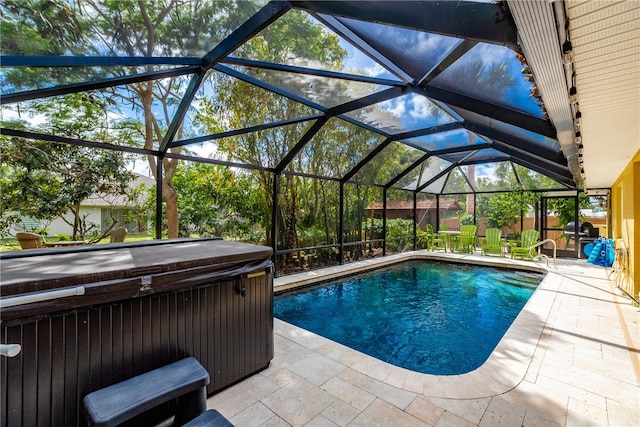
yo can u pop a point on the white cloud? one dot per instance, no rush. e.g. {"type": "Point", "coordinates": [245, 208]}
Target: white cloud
{"type": "Point", "coordinates": [491, 54]}
{"type": "Point", "coordinates": [375, 70]}
{"type": "Point", "coordinates": [428, 43]}
{"type": "Point", "coordinates": [394, 106]}
{"type": "Point", "coordinates": [419, 107]}
{"type": "Point", "coordinates": [34, 119]}
{"type": "Point", "coordinates": [487, 171]}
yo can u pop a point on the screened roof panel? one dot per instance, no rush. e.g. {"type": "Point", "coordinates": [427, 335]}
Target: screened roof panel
{"type": "Point", "coordinates": [186, 28]}
{"type": "Point", "coordinates": [224, 104]}
{"type": "Point", "coordinates": [532, 180]}
{"type": "Point", "coordinates": [457, 182]}
{"type": "Point", "coordinates": [498, 176]}
{"type": "Point", "coordinates": [415, 52]}
{"type": "Point", "coordinates": [267, 46]}
{"type": "Point", "coordinates": [349, 145]}
{"type": "Point", "coordinates": [325, 91]}
{"type": "Point", "coordinates": [456, 157]}
{"type": "Point", "coordinates": [391, 161]}
{"type": "Point", "coordinates": [410, 180]}
{"type": "Point", "coordinates": [284, 42]}
{"type": "Point", "coordinates": [112, 115]}
{"type": "Point", "coordinates": [19, 79]}
{"type": "Point", "coordinates": [283, 105]}
{"type": "Point", "coordinates": [432, 173]}
{"type": "Point", "coordinates": [265, 148]}
{"type": "Point", "coordinates": [487, 154]}
{"type": "Point", "coordinates": [507, 129]}
{"type": "Point", "coordinates": [402, 114]}
{"type": "Point", "coordinates": [442, 140]}
{"type": "Point", "coordinates": [491, 73]}
{"type": "Point", "coordinates": [435, 186]}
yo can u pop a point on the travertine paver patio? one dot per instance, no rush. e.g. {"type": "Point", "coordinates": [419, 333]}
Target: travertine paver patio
{"type": "Point", "coordinates": [572, 358]}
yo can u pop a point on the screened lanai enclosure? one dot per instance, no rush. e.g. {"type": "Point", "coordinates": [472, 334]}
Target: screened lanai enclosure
{"type": "Point", "coordinates": [331, 131]}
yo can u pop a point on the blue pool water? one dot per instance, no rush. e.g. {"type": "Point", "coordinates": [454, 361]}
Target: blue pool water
{"type": "Point", "coordinates": [429, 317]}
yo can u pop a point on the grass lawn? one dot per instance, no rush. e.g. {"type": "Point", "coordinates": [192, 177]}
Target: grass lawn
{"type": "Point", "coordinates": [11, 244]}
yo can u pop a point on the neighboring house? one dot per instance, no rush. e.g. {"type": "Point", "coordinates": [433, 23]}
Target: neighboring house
{"type": "Point", "coordinates": [426, 210]}
{"type": "Point", "coordinates": [97, 210]}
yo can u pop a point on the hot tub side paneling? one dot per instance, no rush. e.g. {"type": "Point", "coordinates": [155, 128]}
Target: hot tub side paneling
{"type": "Point", "coordinates": [67, 355]}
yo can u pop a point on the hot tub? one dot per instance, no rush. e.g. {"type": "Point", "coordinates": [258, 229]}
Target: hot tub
{"type": "Point", "coordinates": [89, 317]}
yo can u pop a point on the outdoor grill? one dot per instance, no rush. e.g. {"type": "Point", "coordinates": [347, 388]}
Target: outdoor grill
{"type": "Point", "coordinates": [587, 233]}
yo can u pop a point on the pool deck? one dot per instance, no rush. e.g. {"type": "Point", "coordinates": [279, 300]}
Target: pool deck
{"type": "Point", "coordinates": [571, 358]}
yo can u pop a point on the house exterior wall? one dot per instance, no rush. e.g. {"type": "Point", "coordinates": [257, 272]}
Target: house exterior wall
{"type": "Point", "coordinates": [625, 207]}
{"type": "Point", "coordinates": [91, 214]}
{"type": "Point", "coordinates": [92, 209]}
{"type": "Point", "coordinates": [58, 225]}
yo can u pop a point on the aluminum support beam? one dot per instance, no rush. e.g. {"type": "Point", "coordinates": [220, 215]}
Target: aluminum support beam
{"type": "Point", "coordinates": [483, 22]}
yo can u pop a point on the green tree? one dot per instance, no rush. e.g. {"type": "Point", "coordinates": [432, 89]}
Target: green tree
{"type": "Point", "coordinates": [121, 28]}
{"type": "Point", "coordinates": [479, 76]}
{"type": "Point", "coordinates": [43, 181]}
{"type": "Point", "coordinates": [215, 201]}
{"type": "Point", "coordinates": [156, 28]}
{"type": "Point", "coordinates": [565, 208]}
{"type": "Point", "coordinates": [236, 106]}
{"type": "Point", "coordinates": [504, 209]}
{"type": "Point", "coordinates": [39, 27]}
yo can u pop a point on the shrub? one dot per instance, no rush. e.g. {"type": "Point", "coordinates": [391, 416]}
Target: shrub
{"type": "Point", "coordinates": [466, 219]}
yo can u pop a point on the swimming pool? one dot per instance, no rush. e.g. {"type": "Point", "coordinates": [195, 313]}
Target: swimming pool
{"type": "Point", "coordinates": [430, 317]}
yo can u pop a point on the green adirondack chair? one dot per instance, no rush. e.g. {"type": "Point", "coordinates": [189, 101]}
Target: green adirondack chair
{"type": "Point", "coordinates": [493, 243]}
{"type": "Point", "coordinates": [434, 241]}
{"type": "Point", "coordinates": [466, 241]}
{"type": "Point", "coordinates": [520, 249]}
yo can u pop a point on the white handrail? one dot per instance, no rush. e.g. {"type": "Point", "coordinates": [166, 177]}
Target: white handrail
{"type": "Point", "coordinates": [555, 262]}
{"type": "Point", "coordinates": [41, 296]}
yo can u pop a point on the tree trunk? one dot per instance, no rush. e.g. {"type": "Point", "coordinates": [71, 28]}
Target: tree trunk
{"type": "Point", "coordinates": [76, 221]}
{"type": "Point", "coordinates": [170, 197]}
{"type": "Point", "coordinates": [169, 192]}
{"type": "Point", "coordinates": [324, 210]}
{"type": "Point", "coordinates": [292, 233]}
{"type": "Point", "coordinates": [471, 174]}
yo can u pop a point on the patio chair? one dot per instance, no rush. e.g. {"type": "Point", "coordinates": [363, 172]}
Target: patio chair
{"type": "Point", "coordinates": [118, 235]}
{"type": "Point", "coordinates": [520, 249]}
{"type": "Point", "coordinates": [493, 243]}
{"type": "Point", "coordinates": [29, 240]}
{"type": "Point", "coordinates": [435, 241]}
{"type": "Point", "coordinates": [466, 241]}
